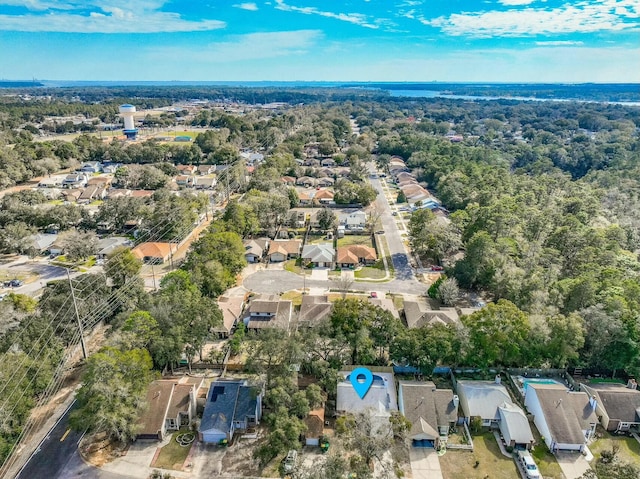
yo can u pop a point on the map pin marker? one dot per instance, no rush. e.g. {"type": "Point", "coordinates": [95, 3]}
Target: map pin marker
{"type": "Point", "coordinates": [361, 387]}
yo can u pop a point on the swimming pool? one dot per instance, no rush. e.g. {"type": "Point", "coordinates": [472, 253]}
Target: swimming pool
{"type": "Point", "coordinates": [522, 382]}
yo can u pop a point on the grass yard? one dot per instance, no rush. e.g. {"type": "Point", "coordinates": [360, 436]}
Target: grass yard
{"type": "Point", "coordinates": [293, 266]}
{"type": "Point", "coordinates": [398, 301]}
{"type": "Point", "coordinates": [294, 296]}
{"type": "Point", "coordinates": [336, 296]}
{"type": "Point", "coordinates": [371, 272]}
{"type": "Point", "coordinates": [318, 239]}
{"type": "Point", "coordinates": [355, 239]}
{"type": "Point", "coordinates": [491, 462]}
{"type": "Point", "coordinates": [629, 448]}
{"type": "Point", "coordinates": [173, 455]}
{"type": "Point", "coordinates": [547, 463]}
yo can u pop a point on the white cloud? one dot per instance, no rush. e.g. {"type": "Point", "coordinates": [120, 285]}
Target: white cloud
{"type": "Point", "coordinates": [516, 2]}
{"type": "Point", "coordinates": [252, 7]}
{"type": "Point", "coordinates": [355, 18]}
{"type": "Point", "coordinates": [251, 46]}
{"type": "Point", "coordinates": [107, 16]}
{"type": "Point", "coordinates": [581, 17]}
{"type": "Point", "coordinates": [559, 43]}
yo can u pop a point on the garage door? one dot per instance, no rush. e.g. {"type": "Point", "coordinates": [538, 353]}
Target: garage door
{"type": "Point", "coordinates": [212, 437]}
{"type": "Point", "coordinates": [423, 443]}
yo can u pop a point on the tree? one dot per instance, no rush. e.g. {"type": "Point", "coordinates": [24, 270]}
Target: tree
{"type": "Point", "coordinates": [326, 219]}
{"type": "Point", "coordinates": [497, 335]}
{"type": "Point", "coordinates": [402, 198]}
{"type": "Point", "coordinates": [14, 237]}
{"type": "Point", "coordinates": [122, 266]}
{"type": "Point", "coordinates": [112, 393]}
{"type": "Point", "coordinates": [449, 292]}
{"type": "Point", "coordinates": [140, 330]}
{"type": "Point", "coordinates": [78, 245]}
{"type": "Point", "coordinates": [343, 284]}
{"type": "Point", "coordinates": [431, 237]}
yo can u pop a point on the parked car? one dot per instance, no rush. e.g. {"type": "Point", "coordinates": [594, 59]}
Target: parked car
{"type": "Point", "coordinates": [290, 461]}
{"type": "Point", "coordinates": [373, 294]}
{"type": "Point", "coordinates": [14, 283]}
{"type": "Point", "coordinates": [381, 232]}
{"type": "Point", "coordinates": [528, 464]}
{"type": "Point", "coordinates": [395, 213]}
{"type": "Point", "coordinates": [436, 268]}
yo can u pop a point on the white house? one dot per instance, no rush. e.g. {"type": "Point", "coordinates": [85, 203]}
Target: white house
{"type": "Point", "coordinates": [482, 399]}
{"type": "Point", "coordinates": [566, 419]}
{"type": "Point", "coordinates": [355, 221]}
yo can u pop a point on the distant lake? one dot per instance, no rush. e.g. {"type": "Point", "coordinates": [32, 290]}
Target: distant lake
{"type": "Point", "coordinates": [439, 94]}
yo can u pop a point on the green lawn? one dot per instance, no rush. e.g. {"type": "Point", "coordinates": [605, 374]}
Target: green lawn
{"type": "Point", "coordinates": [491, 463]}
{"type": "Point", "coordinates": [355, 239]}
{"type": "Point", "coordinates": [293, 266]}
{"type": "Point", "coordinates": [629, 448]}
{"type": "Point", "coordinates": [173, 455]}
{"type": "Point", "coordinates": [547, 463]}
{"type": "Point", "coordinates": [371, 272]}
{"type": "Point", "coordinates": [318, 239]}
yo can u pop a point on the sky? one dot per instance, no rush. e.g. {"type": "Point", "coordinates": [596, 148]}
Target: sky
{"type": "Point", "coordinates": [305, 40]}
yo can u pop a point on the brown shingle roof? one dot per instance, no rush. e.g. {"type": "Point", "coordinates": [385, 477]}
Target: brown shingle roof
{"type": "Point", "coordinates": [285, 246]}
{"type": "Point", "coordinates": [417, 314]}
{"type": "Point", "coordinates": [314, 309]}
{"type": "Point", "coordinates": [620, 402]}
{"type": "Point", "coordinates": [158, 398]}
{"type": "Point", "coordinates": [315, 423]}
{"type": "Point", "coordinates": [345, 256]}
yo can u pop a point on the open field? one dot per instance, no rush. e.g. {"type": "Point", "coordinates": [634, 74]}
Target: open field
{"type": "Point", "coordinates": [355, 239]}
{"type": "Point", "coordinates": [490, 461]}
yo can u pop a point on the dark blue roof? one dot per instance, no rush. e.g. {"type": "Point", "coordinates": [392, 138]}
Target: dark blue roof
{"type": "Point", "coordinates": [228, 401]}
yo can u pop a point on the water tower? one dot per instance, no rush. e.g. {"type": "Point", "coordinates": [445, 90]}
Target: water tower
{"type": "Point", "coordinates": [127, 111]}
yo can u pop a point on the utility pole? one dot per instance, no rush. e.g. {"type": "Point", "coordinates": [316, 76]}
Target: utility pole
{"type": "Point", "coordinates": [75, 307]}
{"type": "Point", "coordinates": [153, 272]}
{"type": "Point", "coordinates": [226, 179]}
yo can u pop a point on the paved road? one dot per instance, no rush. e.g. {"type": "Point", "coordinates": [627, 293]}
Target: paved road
{"type": "Point", "coordinates": [54, 452]}
{"type": "Point", "coordinates": [57, 457]}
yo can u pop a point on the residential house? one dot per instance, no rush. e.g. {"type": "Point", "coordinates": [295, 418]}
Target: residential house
{"type": "Point", "coordinates": [305, 198]}
{"type": "Point", "coordinates": [71, 196]}
{"type": "Point", "coordinates": [319, 255]}
{"type": "Point", "coordinates": [314, 309]}
{"type": "Point", "coordinates": [288, 180]}
{"type": "Point", "coordinates": [431, 412]}
{"type": "Point", "coordinates": [117, 193]}
{"type": "Point", "coordinates": [386, 304]}
{"type": "Point", "coordinates": [231, 307]}
{"type": "Point", "coordinates": [362, 254]}
{"type": "Point", "coordinates": [255, 249]}
{"type": "Point", "coordinates": [269, 311]}
{"type": "Point", "coordinates": [328, 162]}
{"type": "Point", "coordinates": [296, 219]}
{"type": "Point", "coordinates": [326, 182]}
{"type": "Point", "coordinates": [141, 193]}
{"type": "Point", "coordinates": [232, 406]}
{"type": "Point", "coordinates": [617, 406]}
{"type": "Point", "coordinates": [104, 181]}
{"type": "Point", "coordinates": [183, 180]}
{"type": "Point", "coordinates": [306, 181]}
{"type": "Point", "coordinates": [186, 170]}
{"type": "Point", "coordinates": [108, 245]}
{"type": "Point", "coordinates": [204, 170]}
{"type": "Point", "coordinates": [381, 397]}
{"type": "Point", "coordinates": [311, 162]}
{"type": "Point", "coordinates": [206, 183]}
{"type": "Point", "coordinates": [514, 427]}
{"type": "Point", "coordinates": [110, 168]}
{"type": "Point", "coordinates": [282, 250]}
{"type": "Point", "coordinates": [419, 313]}
{"type": "Point", "coordinates": [482, 399]}
{"type": "Point", "coordinates": [252, 158]}
{"type": "Point", "coordinates": [315, 427]}
{"type": "Point", "coordinates": [75, 180]}
{"type": "Point", "coordinates": [324, 197]}
{"type": "Point", "coordinates": [41, 242]}
{"type": "Point", "coordinates": [566, 419]}
{"type": "Point", "coordinates": [170, 405]}
{"type": "Point", "coordinates": [91, 193]}
{"type": "Point", "coordinates": [90, 167]}
{"type": "Point", "coordinates": [354, 221]}
{"type": "Point", "coordinates": [153, 252]}
{"type": "Point", "coordinates": [342, 172]}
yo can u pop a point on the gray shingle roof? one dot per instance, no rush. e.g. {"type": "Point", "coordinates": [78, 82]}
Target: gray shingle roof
{"type": "Point", "coordinates": [314, 309]}
{"type": "Point", "coordinates": [620, 402]}
{"type": "Point", "coordinates": [426, 407]}
{"type": "Point", "coordinates": [567, 413]}
{"type": "Point", "coordinates": [228, 401]}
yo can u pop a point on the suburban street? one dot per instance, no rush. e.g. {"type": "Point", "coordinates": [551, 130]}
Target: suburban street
{"type": "Point", "coordinates": [276, 281]}
{"type": "Point", "coordinates": [57, 457]}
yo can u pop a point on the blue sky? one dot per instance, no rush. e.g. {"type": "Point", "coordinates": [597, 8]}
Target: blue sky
{"type": "Point", "coordinates": [290, 40]}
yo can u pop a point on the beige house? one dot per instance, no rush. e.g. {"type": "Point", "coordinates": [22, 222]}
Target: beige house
{"type": "Point", "coordinates": [282, 250]}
